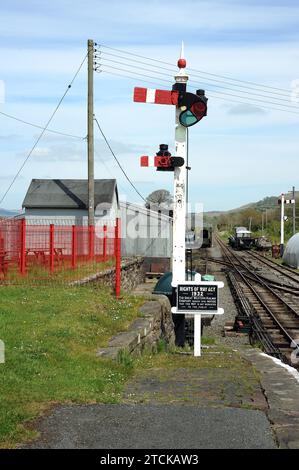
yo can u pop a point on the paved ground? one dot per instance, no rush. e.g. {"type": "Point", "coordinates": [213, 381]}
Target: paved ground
{"type": "Point", "coordinates": [176, 402]}
{"type": "Point", "coordinates": [203, 386]}
{"type": "Point", "coordinates": [154, 427]}
{"type": "Point", "coordinates": [222, 403]}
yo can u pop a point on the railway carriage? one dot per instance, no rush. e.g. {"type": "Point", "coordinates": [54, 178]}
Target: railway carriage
{"type": "Point", "coordinates": [242, 239]}
{"type": "Point", "coordinates": [207, 234]}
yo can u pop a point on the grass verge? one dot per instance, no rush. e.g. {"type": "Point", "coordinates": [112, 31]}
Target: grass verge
{"type": "Point", "coordinates": [51, 337]}
{"type": "Point", "coordinates": [39, 275]}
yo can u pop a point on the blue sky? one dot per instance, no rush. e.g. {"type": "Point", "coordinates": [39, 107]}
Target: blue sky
{"type": "Point", "coordinates": [238, 153]}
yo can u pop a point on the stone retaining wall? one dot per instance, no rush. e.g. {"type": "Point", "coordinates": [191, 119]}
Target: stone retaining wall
{"type": "Point", "coordinates": [153, 324]}
{"type": "Point", "coordinates": [132, 274]}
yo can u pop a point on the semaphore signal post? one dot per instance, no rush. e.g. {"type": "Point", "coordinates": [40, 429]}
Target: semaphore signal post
{"type": "Point", "coordinates": [180, 177]}
{"type": "Point", "coordinates": [191, 297]}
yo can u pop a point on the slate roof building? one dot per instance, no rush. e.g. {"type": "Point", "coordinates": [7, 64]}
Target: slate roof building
{"type": "Point", "coordinates": [65, 201]}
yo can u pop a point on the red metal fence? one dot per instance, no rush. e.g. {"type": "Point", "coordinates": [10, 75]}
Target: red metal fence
{"type": "Point", "coordinates": [58, 252]}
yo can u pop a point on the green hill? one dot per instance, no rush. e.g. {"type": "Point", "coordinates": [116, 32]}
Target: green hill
{"type": "Point", "coordinates": [7, 213]}
{"type": "Point", "coordinates": [269, 202]}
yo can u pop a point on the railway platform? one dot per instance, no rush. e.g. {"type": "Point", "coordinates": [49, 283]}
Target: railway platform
{"type": "Point", "coordinates": [232, 397]}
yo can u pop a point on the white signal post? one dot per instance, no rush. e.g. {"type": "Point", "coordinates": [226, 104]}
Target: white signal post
{"type": "Point", "coordinates": [284, 218]}
{"type": "Point", "coordinates": [282, 226]}
{"type": "Point", "coordinates": [180, 174]}
{"type": "Point", "coordinates": [179, 209]}
{"type": "Point", "coordinates": [196, 297]}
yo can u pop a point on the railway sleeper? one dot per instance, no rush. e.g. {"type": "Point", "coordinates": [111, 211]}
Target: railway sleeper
{"type": "Point", "coordinates": [279, 343]}
{"type": "Point", "coordinates": [268, 325]}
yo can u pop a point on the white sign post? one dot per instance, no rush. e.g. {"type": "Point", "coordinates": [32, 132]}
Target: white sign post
{"type": "Point", "coordinates": [197, 335]}
{"type": "Point", "coordinates": [197, 298]}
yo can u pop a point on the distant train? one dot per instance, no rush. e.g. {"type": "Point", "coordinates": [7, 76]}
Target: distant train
{"type": "Point", "coordinates": [242, 239]}
{"type": "Point", "coordinates": [207, 236]}
{"type": "Point", "coordinates": [199, 238]}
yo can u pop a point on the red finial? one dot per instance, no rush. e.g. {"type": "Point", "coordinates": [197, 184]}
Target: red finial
{"type": "Point", "coordinates": [182, 61]}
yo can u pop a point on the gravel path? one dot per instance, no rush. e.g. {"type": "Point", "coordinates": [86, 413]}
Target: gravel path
{"type": "Point", "coordinates": [226, 301]}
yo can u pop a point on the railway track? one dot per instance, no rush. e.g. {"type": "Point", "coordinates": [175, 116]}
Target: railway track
{"type": "Point", "coordinates": [284, 271]}
{"type": "Point", "coordinates": [277, 284]}
{"type": "Point", "coordinates": [272, 316]}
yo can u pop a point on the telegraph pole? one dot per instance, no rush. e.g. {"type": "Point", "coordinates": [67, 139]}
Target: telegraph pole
{"type": "Point", "coordinates": [90, 134]}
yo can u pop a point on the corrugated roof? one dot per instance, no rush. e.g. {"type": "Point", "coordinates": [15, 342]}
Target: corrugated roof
{"type": "Point", "coordinates": [68, 193]}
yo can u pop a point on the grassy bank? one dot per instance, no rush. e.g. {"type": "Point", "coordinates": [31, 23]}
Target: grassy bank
{"type": "Point", "coordinates": [39, 275]}
{"type": "Point", "coordinates": [51, 337]}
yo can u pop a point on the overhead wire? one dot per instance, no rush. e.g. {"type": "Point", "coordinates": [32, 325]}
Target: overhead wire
{"type": "Point", "coordinates": [128, 76]}
{"type": "Point", "coordinates": [288, 106]}
{"type": "Point", "coordinates": [136, 75]}
{"type": "Point", "coordinates": [43, 130]}
{"type": "Point", "coordinates": [194, 70]}
{"type": "Point", "coordinates": [281, 105]}
{"type": "Point", "coordinates": [10, 116]}
{"type": "Point", "coordinates": [116, 159]}
{"type": "Point", "coordinates": [172, 70]}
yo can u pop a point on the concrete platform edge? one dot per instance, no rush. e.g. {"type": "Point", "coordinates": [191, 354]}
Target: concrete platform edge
{"type": "Point", "coordinates": [281, 390]}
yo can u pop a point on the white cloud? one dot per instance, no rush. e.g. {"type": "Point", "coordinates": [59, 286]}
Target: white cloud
{"type": "Point", "coordinates": [246, 109]}
{"type": "Point", "coordinates": [79, 19]}
{"type": "Point", "coordinates": [43, 43]}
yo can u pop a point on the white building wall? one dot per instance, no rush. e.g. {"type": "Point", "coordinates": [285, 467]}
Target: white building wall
{"type": "Point", "coordinates": [145, 232]}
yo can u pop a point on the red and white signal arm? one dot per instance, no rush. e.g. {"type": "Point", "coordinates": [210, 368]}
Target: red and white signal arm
{"type": "Point", "coordinates": [156, 161]}
{"type": "Point", "coordinates": [147, 161]}
{"type": "Point", "coordinates": [150, 95]}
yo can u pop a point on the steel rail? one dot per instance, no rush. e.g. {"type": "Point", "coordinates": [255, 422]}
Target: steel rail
{"type": "Point", "coordinates": [281, 286]}
{"type": "Point", "coordinates": [255, 322]}
{"type": "Point", "coordinates": [258, 278]}
{"type": "Point", "coordinates": [281, 269]}
{"type": "Point", "coordinates": [284, 332]}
